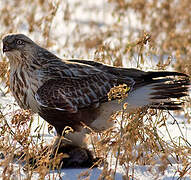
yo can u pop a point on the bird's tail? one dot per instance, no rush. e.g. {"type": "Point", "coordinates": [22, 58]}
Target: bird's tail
{"type": "Point", "coordinates": [159, 90]}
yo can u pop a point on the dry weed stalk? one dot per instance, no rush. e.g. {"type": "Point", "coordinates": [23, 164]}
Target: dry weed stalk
{"type": "Point", "coordinates": [170, 31]}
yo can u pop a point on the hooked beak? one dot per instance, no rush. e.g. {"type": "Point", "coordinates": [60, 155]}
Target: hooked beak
{"type": "Point", "coordinates": [6, 48]}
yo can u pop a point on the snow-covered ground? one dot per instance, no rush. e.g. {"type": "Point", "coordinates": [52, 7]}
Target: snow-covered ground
{"type": "Point", "coordinates": [139, 172]}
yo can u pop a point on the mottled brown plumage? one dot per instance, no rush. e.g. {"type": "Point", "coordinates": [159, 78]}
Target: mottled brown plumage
{"type": "Point", "coordinates": [68, 92]}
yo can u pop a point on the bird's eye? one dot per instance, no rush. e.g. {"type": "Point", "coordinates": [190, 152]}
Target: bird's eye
{"type": "Point", "coordinates": [19, 42]}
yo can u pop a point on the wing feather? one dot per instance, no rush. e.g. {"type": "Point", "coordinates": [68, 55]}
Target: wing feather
{"type": "Point", "coordinates": [74, 93]}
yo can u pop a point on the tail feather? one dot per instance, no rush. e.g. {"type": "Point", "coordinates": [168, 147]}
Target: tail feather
{"type": "Point", "coordinates": [157, 74]}
{"type": "Point", "coordinates": [170, 88]}
{"type": "Point", "coordinates": [161, 92]}
{"type": "Point", "coordinates": [175, 85]}
{"type": "Point", "coordinates": [174, 79]}
{"type": "Point", "coordinates": [169, 91]}
{"type": "Point", "coordinates": [167, 96]}
{"type": "Point", "coordinates": [167, 106]}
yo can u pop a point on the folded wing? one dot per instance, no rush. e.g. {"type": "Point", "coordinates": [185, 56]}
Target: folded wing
{"type": "Point", "coordinates": [73, 93]}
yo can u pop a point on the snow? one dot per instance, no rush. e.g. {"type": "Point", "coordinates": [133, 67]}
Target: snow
{"type": "Point", "coordinates": [139, 172]}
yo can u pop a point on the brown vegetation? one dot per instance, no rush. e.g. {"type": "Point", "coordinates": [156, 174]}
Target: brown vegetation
{"type": "Point", "coordinates": [136, 139]}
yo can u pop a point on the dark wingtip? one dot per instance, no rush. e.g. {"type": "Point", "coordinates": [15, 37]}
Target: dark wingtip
{"type": "Point", "coordinates": [157, 74]}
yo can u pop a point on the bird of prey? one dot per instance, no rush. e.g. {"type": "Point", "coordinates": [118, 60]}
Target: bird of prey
{"type": "Point", "coordinates": [75, 92]}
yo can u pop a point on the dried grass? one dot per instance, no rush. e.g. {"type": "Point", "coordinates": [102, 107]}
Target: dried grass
{"type": "Point", "coordinates": [136, 139]}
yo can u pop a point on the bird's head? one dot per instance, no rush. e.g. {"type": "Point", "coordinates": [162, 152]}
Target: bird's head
{"type": "Point", "coordinates": [19, 48]}
{"type": "Point", "coordinates": [15, 45]}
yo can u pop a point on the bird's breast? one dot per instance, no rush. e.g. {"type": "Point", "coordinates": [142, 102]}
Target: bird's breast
{"type": "Point", "coordinates": [23, 87]}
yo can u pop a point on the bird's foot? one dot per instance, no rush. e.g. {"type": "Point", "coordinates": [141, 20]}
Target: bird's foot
{"type": "Point", "coordinates": [68, 156]}
{"type": "Point", "coordinates": [78, 157]}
